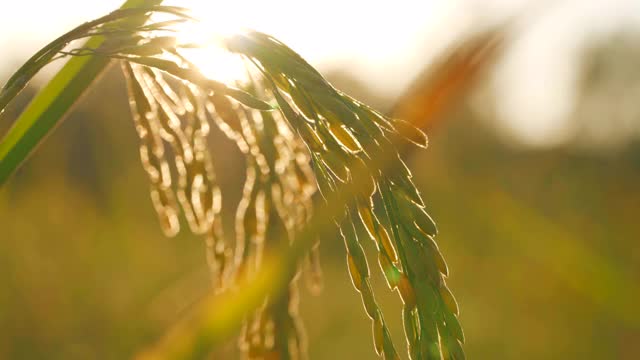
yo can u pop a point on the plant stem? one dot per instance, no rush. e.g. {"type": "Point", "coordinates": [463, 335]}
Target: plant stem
{"type": "Point", "coordinates": [51, 104]}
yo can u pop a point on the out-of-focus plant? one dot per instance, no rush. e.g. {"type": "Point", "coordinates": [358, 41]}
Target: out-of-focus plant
{"type": "Point", "coordinates": [298, 134]}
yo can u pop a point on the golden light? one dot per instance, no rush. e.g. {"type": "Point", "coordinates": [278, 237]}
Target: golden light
{"type": "Point", "coordinates": [209, 56]}
{"type": "Point", "coordinates": [213, 60]}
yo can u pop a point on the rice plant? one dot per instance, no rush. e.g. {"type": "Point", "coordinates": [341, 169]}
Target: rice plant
{"type": "Point", "coordinates": [306, 144]}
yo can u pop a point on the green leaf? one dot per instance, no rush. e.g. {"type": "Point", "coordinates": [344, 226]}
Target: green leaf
{"type": "Point", "coordinates": [248, 100]}
{"type": "Point", "coordinates": [50, 105]}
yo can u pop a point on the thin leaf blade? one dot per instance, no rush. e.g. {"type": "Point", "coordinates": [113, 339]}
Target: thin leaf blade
{"type": "Point", "coordinates": [51, 104]}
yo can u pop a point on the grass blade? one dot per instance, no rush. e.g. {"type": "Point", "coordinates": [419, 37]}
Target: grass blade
{"type": "Point", "coordinates": [51, 104]}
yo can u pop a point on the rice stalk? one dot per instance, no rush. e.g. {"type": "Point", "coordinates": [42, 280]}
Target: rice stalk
{"type": "Point", "coordinates": [297, 133]}
{"type": "Point", "coordinates": [350, 137]}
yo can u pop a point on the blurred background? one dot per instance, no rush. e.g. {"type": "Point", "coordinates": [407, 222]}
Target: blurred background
{"type": "Point", "coordinates": [532, 175]}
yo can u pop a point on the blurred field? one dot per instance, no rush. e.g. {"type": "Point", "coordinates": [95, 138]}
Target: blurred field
{"type": "Point", "coordinates": [542, 245]}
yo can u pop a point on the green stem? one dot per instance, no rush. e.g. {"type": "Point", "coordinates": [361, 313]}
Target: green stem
{"type": "Point", "coordinates": [51, 104]}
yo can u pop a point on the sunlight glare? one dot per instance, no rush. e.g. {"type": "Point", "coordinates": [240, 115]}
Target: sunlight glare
{"type": "Point", "coordinates": [209, 55]}
{"type": "Point", "coordinates": [211, 58]}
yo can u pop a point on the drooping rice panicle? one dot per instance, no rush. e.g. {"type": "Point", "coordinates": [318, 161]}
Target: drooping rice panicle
{"type": "Point", "coordinates": [276, 200]}
{"type": "Point", "coordinates": [152, 153]}
{"type": "Point", "coordinates": [317, 137]}
{"type": "Point", "coordinates": [177, 120]}
{"type": "Point", "coordinates": [345, 136]}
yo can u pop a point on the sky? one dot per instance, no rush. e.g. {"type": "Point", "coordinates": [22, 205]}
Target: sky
{"type": "Point", "coordinates": [386, 43]}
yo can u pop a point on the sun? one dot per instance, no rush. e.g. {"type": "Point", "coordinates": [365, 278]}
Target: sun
{"type": "Point", "coordinates": [217, 20]}
{"type": "Point", "coordinates": [210, 56]}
